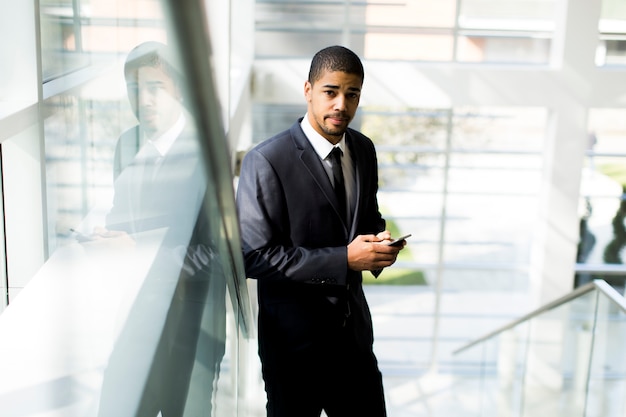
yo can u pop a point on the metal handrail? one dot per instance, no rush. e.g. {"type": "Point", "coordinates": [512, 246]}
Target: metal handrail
{"type": "Point", "coordinates": [598, 284]}
{"type": "Point", "coordinates": [604, 269]}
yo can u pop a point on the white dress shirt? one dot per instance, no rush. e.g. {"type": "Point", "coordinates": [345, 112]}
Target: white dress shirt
{"type": "Point", "coordinates": [323, 148]}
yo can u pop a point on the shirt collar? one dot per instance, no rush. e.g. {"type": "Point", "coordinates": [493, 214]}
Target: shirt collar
{"type": "Point", "coordinates": [164, 142]}
{"type": "Point", "coordinates": [321, 145]}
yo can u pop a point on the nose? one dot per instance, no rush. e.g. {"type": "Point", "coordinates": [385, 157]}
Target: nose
{"type": "Point", "coordinates": [340, 103]}
{"type": "Point", "coordinates": [144, 96]}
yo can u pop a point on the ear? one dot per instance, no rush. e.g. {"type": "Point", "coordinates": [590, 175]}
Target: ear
{"type": "Point", "coordinates": [307, 90]}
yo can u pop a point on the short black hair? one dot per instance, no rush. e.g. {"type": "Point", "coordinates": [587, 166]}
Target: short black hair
{"type": "Point", "coordinates": [335, 58]}
{"type": "Point", "coordinates": [152, 54]}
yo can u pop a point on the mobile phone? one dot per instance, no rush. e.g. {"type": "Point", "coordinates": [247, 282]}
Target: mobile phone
{"type": "Point", "coordinates": [397, 241]}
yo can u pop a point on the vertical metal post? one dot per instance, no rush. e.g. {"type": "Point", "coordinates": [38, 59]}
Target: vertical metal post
{"type": "Point", "coordinates": [440, 252]}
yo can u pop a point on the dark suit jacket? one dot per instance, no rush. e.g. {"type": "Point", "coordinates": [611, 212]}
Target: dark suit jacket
{"type": "Point", "coordinates": [294, 241]}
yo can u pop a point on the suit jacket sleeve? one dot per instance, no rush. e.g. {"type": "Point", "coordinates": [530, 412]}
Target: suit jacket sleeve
{"type": "Point", "coordinates": [271, 245]}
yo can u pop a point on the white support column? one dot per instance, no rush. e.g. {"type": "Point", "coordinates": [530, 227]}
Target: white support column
{"type": "Point", "coordinates": [554, 252]}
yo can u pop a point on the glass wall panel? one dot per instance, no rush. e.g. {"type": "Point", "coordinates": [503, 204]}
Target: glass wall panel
{"type": "Point", "coordinates": [507, 14]}
{"type": "Point", "coordinates": [23, 199]}
{"type": "Point", "coordinates": [412, 13]}
{"type": "Point", "coordinates": [81, 128]}
{"type": "Point", "coordinates": [493, 278]}
{"type": "Point", "coordinates": [511, 31]}
{"type": "Point", "coordinates": [522, 162]}
{"type": "Point", "coordinates": [320, 14]}
{"type": "Point", "coordinates": [500, 128]}
{"type": "Point", "coordinates": [268, 119]}
{"type": "Point", "coordinates": [20, 152]}
{"type": "Point", "coordinates": [23, 227]}
{"type": "Point", "coordinates": [602, 206]}
{"type": "Point", "coordinates": [416, 128]}
{"type": "Point", "coordinates": [479, 169]}
{"type": "Point", "coordinates": [491, 229]}
{"type": "Point", "coordinates": [18, 80]}
{"type": "Point", "coordinates": [408, 351]}
{"type": "Point", "coordinates": [240, 52]}
{"type": "Point", "coordinates": [61, 38]}
{"type": "Point", "coordinates": [76, 34]}
{"type": "Point", "coordinates": [137, 309]}
{"type": "Point", "coordinates": [410, 145]}
{"type": "Point", "coordinates": [488, 47]}
{"type": "Point", "coordinates": [4, 284]}
{"type": "Point", "coordinates": [403, 169]}
{"type": "Point", "coordinates": [489, 173]}
{"type": "Point", "coordinates": [419, 215]}
{"type": "Point", "coordinates": [465, 181]}
{"type": "Point", "coordinates": [273, 43]}
{"type": "Point", "coordinates": [483, 166]}
{"type": "Point", "coordinates": [612, 34]}
{"type": "Point", "coordinates": [404, 327]}
{"type": "Point", "coordinates": [409, 46]}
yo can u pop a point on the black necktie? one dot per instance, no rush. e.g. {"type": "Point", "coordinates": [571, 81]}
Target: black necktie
{"type": "Point", "coordinates": [340, 188]}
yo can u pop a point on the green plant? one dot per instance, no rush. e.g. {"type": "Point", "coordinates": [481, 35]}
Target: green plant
{"type": "Point", "coordinates": [392, 276]}
{"type": "Point", "coordinates": [615, 171]}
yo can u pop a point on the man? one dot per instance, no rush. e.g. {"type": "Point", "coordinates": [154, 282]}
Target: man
{"type": "Point", "coordinates": [307, 251]}
{"type": "Point", "coordinates": [160, 191]}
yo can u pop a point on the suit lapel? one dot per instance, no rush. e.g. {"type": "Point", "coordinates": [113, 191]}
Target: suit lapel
{"type": "Point", "coordinates": [313, 164]}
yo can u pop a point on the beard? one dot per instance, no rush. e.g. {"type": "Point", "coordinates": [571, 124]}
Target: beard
{"type": "Point", "coordinates": [332, 129]}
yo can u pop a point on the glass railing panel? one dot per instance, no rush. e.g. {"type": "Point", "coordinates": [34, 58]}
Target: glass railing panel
{"type": "Point", "coordinates": [474, 375]}
{"type": "Point", "coordinates": [563, 359]}
{"type": "Point", "coordinates": [606, 385]}
{"type": "Point", "coordinates": [558, 351]}
{"type": "Point", "coordinates": [490, 374]}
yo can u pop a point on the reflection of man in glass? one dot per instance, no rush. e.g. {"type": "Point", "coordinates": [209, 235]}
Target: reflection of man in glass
{"type": "Point", "coordinates": [153, 88]}
{"type": "Point", "coordinates": [154, 158]}
{"type": "Point", "coordinates": [154, 95]}
{"type": "Point", "coordinates": [172, 341]}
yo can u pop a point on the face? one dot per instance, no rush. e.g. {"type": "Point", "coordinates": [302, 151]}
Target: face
{"type": "Point", "coordinates": [155, 100]}
{"type": "Point", "coordinates": [332, 102]}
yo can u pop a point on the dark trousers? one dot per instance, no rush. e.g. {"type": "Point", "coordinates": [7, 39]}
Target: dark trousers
{"type": "Point", "coordinates": [334, 376]}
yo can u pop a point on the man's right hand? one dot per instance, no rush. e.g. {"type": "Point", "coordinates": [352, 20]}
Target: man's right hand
{"type": "Point", "coordinates": [367, 253]}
